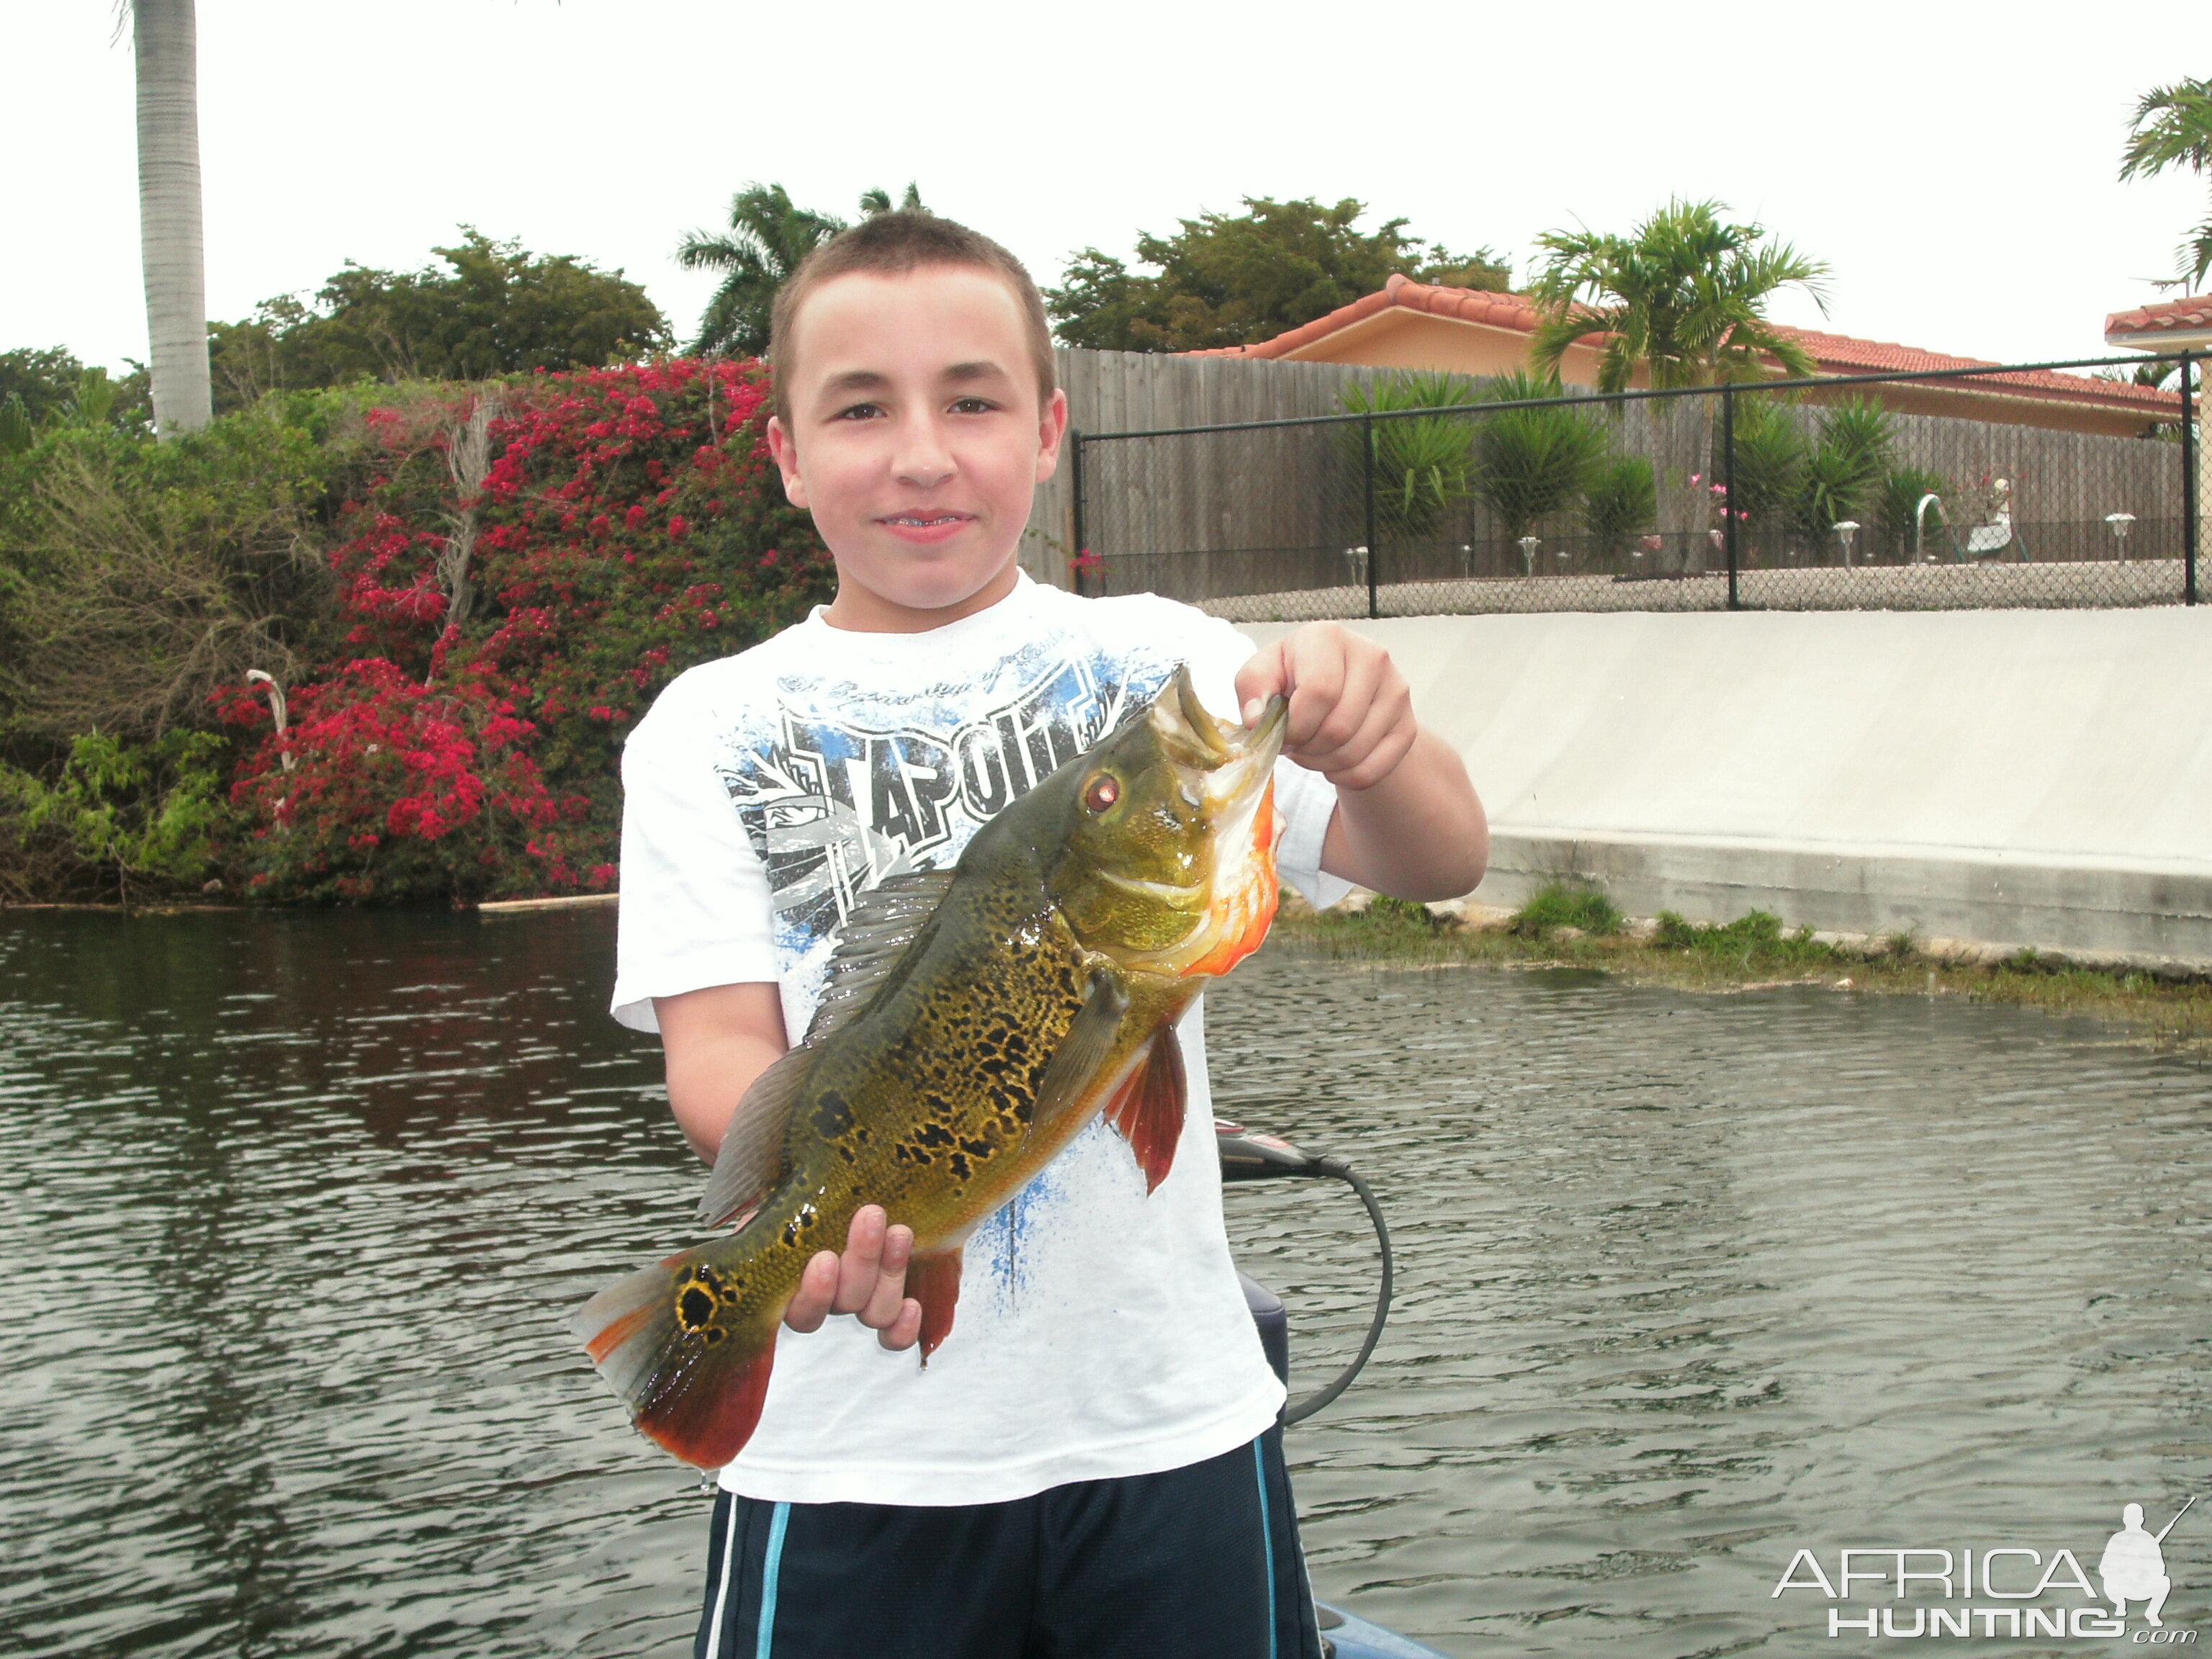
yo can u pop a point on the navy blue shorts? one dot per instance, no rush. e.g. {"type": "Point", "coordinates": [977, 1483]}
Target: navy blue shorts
{"type": "Point", "coordinates": [1200, 1560]}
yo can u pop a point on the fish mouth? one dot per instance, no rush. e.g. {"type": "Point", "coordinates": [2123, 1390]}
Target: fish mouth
{"type": "Point", "coordinates": [1227, 772]}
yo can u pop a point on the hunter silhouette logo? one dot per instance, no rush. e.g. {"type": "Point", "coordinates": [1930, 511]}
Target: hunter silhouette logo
{"type": "Point", "coordinates": [2134, 1565]}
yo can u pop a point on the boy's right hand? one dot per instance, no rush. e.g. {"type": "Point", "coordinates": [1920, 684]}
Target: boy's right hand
{"type": "Point", "coordinates": [869, 1280]}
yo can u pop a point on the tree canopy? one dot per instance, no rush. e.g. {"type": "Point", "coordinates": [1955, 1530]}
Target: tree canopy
{"type": "Point", "coordinates": [2173, 128]}
{"type": "Point", "coordinates": [1232, 279]}
{"type": "Point", "coordinates": [768, 236]}
{"type": "Point", "coordinates": [1684, 295]}
{"type": "Point", "coordinates": [494, 309]}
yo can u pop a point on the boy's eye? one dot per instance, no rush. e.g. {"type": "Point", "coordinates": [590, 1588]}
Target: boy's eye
{"type": "Point", "coordinates": [973, 406]}
{"type": "Point", "coordinates": [859, 412]}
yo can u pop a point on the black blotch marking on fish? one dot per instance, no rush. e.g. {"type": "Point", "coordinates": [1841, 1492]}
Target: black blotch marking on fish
{"type": "Point", "coordinates": [832, 1117]}
{"type": "Point", "coordinates": [695, 1306]}
{"type": "Point", "coordinates": [961, 1168]}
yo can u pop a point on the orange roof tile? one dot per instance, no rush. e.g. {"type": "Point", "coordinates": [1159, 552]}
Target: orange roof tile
{"type": "Point", "coordinates": [2145, 324]}
{"type": "Point", "coordinates": [1835, 353]}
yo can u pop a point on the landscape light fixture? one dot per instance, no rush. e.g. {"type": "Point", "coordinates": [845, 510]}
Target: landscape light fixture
{"type": "Point", "coordinates": [2121, 524]}
{"type": "Point", "coordinates": [1356, 557]}
{"type": "Point", "coordinates": [1528, 546]}
{"type": "Point", "coordinates": [1846, 528]}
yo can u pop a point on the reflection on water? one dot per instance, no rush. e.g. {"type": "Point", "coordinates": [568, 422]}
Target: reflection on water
{"type": "Point", "coordinates": [297, 1203]}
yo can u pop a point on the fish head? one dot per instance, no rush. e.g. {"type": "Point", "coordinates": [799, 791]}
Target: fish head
{"type": "Point", "coordinates": [1168, 862]}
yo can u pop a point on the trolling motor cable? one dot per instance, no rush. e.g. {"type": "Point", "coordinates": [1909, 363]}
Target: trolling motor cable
{"type": "Point", "coordinates": [1325, 1396]}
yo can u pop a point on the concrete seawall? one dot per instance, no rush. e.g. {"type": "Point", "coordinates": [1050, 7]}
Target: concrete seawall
{"type": "Point", "coordinates": [2011, 777]}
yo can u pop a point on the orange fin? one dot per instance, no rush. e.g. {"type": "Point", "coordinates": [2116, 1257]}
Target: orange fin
{"type": "Point", "coordinates": [1147, 1109]}
{"type": "Point", "coordinates": [934, 1281]}
{"type": "Point", "coordinates": [693, 1378]}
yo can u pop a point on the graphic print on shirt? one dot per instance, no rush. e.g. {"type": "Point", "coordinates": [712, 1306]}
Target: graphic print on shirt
{"type": "Point", "coordinates": [835, 804]}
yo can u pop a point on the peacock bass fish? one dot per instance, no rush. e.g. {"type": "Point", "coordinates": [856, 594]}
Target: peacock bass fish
{"type": "Point", "coordinates": [974, 1021]}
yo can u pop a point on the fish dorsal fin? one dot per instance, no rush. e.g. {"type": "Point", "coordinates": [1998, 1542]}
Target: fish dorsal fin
{"type": "Point", "coordinates": [1071, 1077]}
{"type": "Point", "coordinates": [876, 935]}
{"type": "Point", "coordinates": [1148, 1108]}
{"type": "Point", "coordinates": [750, 1163]}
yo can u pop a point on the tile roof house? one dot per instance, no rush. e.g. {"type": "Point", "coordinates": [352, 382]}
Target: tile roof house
{"type": "Point", "coordinates": [2184, 325]}
{"type": "Point", "coordinates": [1415, 325]}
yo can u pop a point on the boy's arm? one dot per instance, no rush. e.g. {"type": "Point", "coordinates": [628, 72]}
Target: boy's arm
{"type": "Point", "coordinates": [1408, 821]}
{"type": "Point", "coordinates": [717, 1040]}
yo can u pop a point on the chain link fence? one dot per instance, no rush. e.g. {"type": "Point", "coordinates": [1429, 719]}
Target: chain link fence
{"type": "Point", "coordinates": [1858, 493]}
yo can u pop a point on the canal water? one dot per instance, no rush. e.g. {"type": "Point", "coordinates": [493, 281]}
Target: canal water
{"type": "Point", "coordinates": [295, 1206]}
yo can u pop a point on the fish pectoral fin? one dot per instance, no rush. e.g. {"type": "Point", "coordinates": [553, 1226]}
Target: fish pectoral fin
{"type": "Point", "coordinates": [934, 1281]}
{"type": "Point", "coordinates": [1148, 1108]}
{"type": "Point", "coordinates": [695, 1390]}
{"type": "Point", "coordinates": [751, 1163]}
{"type": "Point", "coordinates": [1085, 1054]}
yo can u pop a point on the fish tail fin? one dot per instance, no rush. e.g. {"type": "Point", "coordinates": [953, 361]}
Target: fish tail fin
{"type": "Point", "coordinates": [1148, 1108]}
{"type": "Point", "coordinates": [689, 1362]}
{"type": "Point", "coordinates": [934, 1281]}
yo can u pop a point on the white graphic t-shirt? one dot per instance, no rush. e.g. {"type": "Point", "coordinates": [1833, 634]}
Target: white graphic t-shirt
{"type": "Point", "coordinates": [1100, 1332]}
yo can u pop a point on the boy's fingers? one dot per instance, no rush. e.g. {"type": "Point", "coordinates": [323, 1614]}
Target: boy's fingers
{"type": "Point", "coordinates": [857, 1270]}
{"type": "Point", "coordinates": [885, 1304]}
{"type": "Point", "coordinates": [1261, 678]}
{"type": "Point", "coordinates": [904, 1331]}
{"type": "Point", "coordinates": [818, 1287]}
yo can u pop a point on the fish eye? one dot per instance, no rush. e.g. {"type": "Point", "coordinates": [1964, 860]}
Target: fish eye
{"type": "Point", "coordinates": [1101, 792]}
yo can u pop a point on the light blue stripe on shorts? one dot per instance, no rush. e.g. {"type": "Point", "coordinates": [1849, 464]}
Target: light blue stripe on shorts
{"type": "Point", "coordinates": [1267, 1537]}
{"type": "Point", "coordinates": [770, 1569]}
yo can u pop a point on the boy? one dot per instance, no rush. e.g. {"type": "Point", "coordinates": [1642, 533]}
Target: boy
{"type": "Point", "coordinates": [1088, 1465]}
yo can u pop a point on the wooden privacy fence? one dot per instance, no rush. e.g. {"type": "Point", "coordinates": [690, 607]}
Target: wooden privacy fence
{"type": "Point", "coordinates": [1199, 498]}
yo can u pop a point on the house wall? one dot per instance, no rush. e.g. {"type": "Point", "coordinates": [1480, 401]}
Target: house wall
{"type": "Point", "coordinates": [2018, 778]}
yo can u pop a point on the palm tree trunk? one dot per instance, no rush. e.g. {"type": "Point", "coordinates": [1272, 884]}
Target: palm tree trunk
{"type": "Point", "coordinates": [169, 212]}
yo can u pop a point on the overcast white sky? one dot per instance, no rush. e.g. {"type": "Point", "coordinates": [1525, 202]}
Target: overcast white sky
{"type": "Point", "coordinates": [1954, 163]}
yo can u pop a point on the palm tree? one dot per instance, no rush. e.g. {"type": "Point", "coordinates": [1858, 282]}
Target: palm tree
{"type": "Point", "coordinates": [768, 237]}
{"type": "Point", "coordinates": [169, 232]}
{"type": "Point", "coordinates": [1683, 297]}
{"type": "Point", "coordinates": [2172, 127]}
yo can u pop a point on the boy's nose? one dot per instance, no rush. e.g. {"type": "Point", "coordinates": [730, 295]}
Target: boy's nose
{"type": "Point", "coordinates": [923, 459]}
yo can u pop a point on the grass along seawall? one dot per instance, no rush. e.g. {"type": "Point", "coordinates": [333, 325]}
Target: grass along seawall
{"type": "Point", "coordinates": [1571, 925]}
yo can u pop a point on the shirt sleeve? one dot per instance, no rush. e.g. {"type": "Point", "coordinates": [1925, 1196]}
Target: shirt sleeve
{"type": "Point", "coordinates": [1304, 800]}
{"type": "Point", "coordinates": [694, 908]}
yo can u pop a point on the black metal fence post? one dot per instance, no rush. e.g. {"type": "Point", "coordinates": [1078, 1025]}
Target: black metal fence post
{"type": "Point", "coordinates": [1727, 488]}
{"type": "Point", "coordinates": [1374, 552]}
{"type": "Point", "coordinates": [1077, 564]}
{"type": "Point", "coordinates": [2190, 507]}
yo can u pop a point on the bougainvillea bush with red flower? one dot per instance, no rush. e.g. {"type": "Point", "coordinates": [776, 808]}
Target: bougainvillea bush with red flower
{"type": "Point", "coordinates": [522, 567]}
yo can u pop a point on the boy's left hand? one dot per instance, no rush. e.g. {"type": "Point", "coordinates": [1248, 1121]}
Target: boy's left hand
{"type": "Point", "coordinates": [1351, 717]}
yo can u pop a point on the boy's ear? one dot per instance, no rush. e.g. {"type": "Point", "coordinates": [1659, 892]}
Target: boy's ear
{"type": "Point", "coordinates": [1052, 427]}
{"type": "Point", "coordinates": [784, 452]}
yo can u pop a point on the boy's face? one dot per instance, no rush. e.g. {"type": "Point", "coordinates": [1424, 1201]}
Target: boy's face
{"type": "Point", "coordinates": [916, 441]}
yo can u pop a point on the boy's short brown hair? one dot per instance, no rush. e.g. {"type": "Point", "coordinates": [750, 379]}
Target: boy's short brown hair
{"type": "Point", "coordinates": [890, 244]}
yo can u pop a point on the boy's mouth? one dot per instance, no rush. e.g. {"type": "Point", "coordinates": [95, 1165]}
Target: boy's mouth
{"type": "Point", "coordinates": [934, 524]}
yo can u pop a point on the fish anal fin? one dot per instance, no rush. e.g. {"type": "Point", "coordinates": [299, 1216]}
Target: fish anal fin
{"type": "Point", "coordinates": [934, 1281]}
{"type": "Point", "coordinates": [1148, 1107]}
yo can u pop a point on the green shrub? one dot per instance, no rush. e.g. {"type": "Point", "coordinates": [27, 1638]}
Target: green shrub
{"type": "Point", "coordinates": [1621, 502]}
{"type": "Point", "coordinates": [129, 820]}
{"type": "Point", "coordinates": [1532, 463]}
{"type": "Point", "coordinates": [1846, 468]}
{"type": "Point", "coordinates": [1566, 904]}
{"type": "Point", "coordinates": [1421, 462]}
